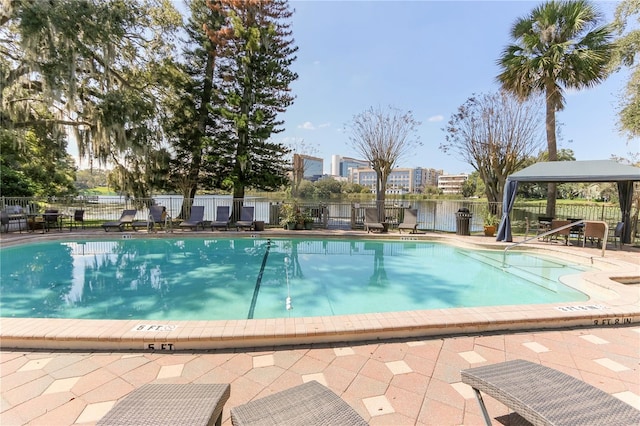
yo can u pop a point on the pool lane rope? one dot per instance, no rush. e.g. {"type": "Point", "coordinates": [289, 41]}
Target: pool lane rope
{"type": "Point", "coordinates": [287, 304]}
{"type": "Point", "coordinates": [256, 290]}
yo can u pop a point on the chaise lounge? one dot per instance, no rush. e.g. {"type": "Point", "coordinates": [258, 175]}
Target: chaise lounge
{"type": "Point", "coordinates": [410, 221]}
{"type": "Point", "coordinates": [222, 218]}
{"type": "Point", "coordinates": [304, 405]}
{"type": "Point", "coordinates": [126, 218]}
{"type": "Point", "coordinates": [196, 218]}
{"type": "Point", "coordinates": [157, 217]}
{"type": "Point", "coordinates": [246, 218]}
{"type": "Point", "coordinates": [544, 396]}
{"type": "Point", "coordinates": [170, 404]}
{"type": "Point", "coordinates": [371, 222]}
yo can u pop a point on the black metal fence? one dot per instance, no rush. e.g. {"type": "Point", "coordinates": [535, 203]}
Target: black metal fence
{"type": "Point", "coordinates": [433, 215]}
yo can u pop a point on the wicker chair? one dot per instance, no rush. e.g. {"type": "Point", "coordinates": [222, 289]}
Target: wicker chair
{"type": "Point", "coordinates": [188, 404]}
{"type": "Point", "coordinates": [544, 396]}
{"type": "Point", "coordinates": [596, 232]}
{"type": "Point", "coordinates": [308, 404]}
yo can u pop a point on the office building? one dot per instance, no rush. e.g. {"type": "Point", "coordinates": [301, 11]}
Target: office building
{"type": "Point", "coordinates": [308, 167]}
{"type": "Point", "coordinates": [401, 180]}
{"type": "Point", "coordinates": [452, 184]}
{"type": "Point", "coordinates": [340, 166]}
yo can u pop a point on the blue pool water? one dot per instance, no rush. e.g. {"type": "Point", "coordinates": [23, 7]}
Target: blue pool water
{"type": "Point", "coordinates": [224, 278]}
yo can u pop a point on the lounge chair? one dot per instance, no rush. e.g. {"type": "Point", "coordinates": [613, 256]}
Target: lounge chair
{"type": "Point", "coordinates": [410, 221]}
{"type": "Point", "coordinates": [157, 217]}
{"type": "Point", "coordinates": [126, 218]}
{"type": "Point", "coordinates": [308, 404]}
{"type": "Point", "coordinates": [189, 404]}
{"type": "Point", "coordinates": [222, 218]}
{"type": "Point", "coordinates": [195, 219]}
{"type": "Point", "coordinates": [371, 222]}
{"type": "Point", "coordinates": [246, 218]}
{"type": "Point", "coordinates": [544, 396]}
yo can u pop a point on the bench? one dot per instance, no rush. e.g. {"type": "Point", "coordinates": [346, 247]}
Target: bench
{"type": "Point", "coordinates": [544, 396]}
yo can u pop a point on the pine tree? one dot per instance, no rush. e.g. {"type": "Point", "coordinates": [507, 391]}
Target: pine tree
{"type": "Point", "coordinates": [255, 78]}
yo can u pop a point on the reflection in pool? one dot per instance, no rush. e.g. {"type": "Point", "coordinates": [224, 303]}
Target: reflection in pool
{"type": "Point", "coordinates": [225, 278]}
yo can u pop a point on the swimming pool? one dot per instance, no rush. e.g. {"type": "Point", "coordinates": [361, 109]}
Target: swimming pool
{"type": "Point", "coordinates": [226, 278]}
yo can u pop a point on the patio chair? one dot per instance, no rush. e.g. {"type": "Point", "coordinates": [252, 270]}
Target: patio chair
{"type": "Point", "coordinates": [188, 404]}
{"type": "Point", "coordinates": [371, 222]}
{"type": "Point", "coordinates": [4, 220]}
{"type": "Point", "coordinates": [195, 219]}
{"type": "Point", "coordinates": [157, 217]}
{"type": "Point", "coordinates": [52, 219]}
{"type": "Point", "coordinates": [544, 396]}
{"type": "Point", "coordinates": [595, 231]}
{"type": "Point", "coordinates": [78, 218]}
{"type": "Point", "coordinates": [617, 234]}
{"type": "Point", "coordinates": [14, 215]}
{"type": "Point", "coordinates": [126, 218]}
{"type": "Point", "coordinates": [556, 223]}
{"type": "Point", "coordinates": [222, 218]}
{"type": "Point", "coordinates": [410, 221]}
{"type": "Point", "coordinates": [577, 230]}
{"type": "Point", "coordinates": [246, 218]}
{"type": "Point", "coordinates": [308, 404]}
{"type": "Point", "coordinates": [544, 225]}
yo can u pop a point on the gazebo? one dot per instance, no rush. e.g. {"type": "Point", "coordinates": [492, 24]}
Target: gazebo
{"type": "Point", "coordinates": [572, 171]}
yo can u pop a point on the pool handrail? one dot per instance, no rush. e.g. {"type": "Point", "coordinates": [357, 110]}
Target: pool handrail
{"type": "Point", "coordinates": [553, 231]}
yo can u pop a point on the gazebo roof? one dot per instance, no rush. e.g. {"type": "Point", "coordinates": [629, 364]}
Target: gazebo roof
{"type": "Point", "coordinates": [577, 171]}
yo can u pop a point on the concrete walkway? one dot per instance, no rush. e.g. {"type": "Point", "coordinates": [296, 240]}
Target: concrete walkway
{"type": "Point", "coordinates": [404, 382]}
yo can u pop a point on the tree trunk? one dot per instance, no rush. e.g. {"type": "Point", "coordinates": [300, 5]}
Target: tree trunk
{"type": "Point", "coordinates": [381, 192]}
{"type": "Point", "coordinates": [551, 146]}
{"type": "Point", "coordinates": [196, 161]}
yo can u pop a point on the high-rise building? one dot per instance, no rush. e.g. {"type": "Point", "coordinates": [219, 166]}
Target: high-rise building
{"type": "Point", "coordinates": [340, 166]}
{"type": "Point", "coordinates": [308, 167]}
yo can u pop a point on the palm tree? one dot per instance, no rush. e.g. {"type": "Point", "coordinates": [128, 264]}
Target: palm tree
{"type": "Point", "coordinates": [559, 45]}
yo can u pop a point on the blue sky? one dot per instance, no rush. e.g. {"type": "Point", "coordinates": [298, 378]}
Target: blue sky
{"type": "Point", "coordinates": [427, 57]}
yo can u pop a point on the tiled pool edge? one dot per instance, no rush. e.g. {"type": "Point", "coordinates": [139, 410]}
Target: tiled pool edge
{"type": "Point", "coordinates": [620, 306]}
{"type": "Point", "coordinates": [90, 335]}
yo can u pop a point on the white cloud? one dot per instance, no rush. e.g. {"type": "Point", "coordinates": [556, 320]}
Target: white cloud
{"type": "Point", "coordinates": [323, 125]}
{"type": "Point", "coordinates": [307, 125]}
{"type": "Point", "coordinates": [435, 118]}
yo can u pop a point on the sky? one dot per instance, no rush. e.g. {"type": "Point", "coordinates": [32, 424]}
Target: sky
{"type": "Point", "coordinates": [427, 57]}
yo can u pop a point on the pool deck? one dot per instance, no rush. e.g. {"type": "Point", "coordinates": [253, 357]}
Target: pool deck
{"type": "Point", "coordinates": [400, 368]}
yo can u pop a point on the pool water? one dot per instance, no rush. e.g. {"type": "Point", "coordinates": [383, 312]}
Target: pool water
{"type": "Point", "coordinates": [225, 278]}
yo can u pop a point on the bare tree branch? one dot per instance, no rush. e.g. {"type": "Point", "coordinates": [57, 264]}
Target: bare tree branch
{"type": "Point", "coordinates": [383, 137]}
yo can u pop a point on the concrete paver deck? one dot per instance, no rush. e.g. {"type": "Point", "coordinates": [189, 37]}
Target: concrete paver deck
{"type": "Point", "coordinates": [397, 382]}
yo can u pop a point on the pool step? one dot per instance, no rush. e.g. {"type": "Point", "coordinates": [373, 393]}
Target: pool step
{"type": "Point", "coordinates": [533, 274]}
